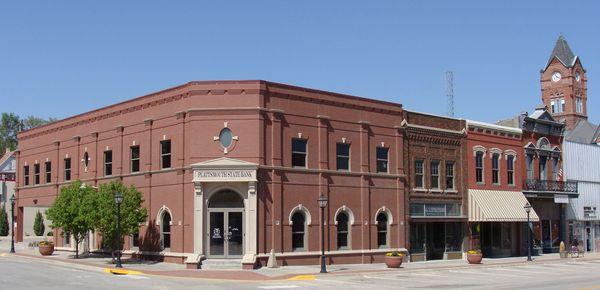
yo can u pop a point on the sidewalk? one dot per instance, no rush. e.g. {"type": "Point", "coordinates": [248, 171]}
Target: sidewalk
{"type": "Point", "coordinates": [101, 263]}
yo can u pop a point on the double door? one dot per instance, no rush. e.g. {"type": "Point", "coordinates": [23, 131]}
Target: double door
{"type": "Point", "coordinates": [226, 233]}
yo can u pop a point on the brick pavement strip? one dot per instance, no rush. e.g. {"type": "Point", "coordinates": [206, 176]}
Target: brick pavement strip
{"type": "Point", "coordinates": [248, 275]}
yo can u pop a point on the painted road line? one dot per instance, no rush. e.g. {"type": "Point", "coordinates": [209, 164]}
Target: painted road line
{"type": "Point", "coordinates": [525, 270]}
{"type": "Point", "coordinates": [480, 273]}
{"type": "Point", "coordinates": [135, 277]}
{"type": "Point", "coordinates": [279, 287]}
{"type": "Point", "coordinates": [398, 278]}
{"type": "Point", "coordinates": [302, 278]}
{"type": "Point", "coordinates": [430, 275]}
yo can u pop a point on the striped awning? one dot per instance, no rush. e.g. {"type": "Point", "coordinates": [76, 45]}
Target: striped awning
{"type": "Point", "coordinates": [498, 206]}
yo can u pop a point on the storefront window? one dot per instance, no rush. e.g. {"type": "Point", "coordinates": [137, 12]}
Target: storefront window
{"type": "Point", "coordinates": [435, 209]}
{"type": "Point", "coordinates": [454, 237]}
{"type": "Point", "coordinates": [417, 238]}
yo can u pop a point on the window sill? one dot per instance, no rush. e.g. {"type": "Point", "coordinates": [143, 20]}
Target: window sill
{"type": "Point", "coordinates": [419, 189]}
{"type": "Point", "coordinates": [436, 190]}
{"type": "Point", "coordinates": [451, 191]}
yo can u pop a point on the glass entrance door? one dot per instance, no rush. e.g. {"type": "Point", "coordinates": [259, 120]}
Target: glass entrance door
{"type": "Point", "coordinates": [217, 233]}
{"type": "Point", "coordinates": [226, 236]}
{"type": "Point", "coordinates": [235, 236]}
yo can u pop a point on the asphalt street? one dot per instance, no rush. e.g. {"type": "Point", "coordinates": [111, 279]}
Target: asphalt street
{"type": "Point", "coordinates": [26, 273]}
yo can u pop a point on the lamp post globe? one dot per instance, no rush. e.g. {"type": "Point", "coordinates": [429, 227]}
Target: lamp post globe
{"type": "Point", "coordinates": [118, 200]}
{"type": "Point", "coordinates": [322, 201]}
{"type": "Point", "coordinates": [12, 223]}
{"type": "Point", "coordinates": [527, 208]}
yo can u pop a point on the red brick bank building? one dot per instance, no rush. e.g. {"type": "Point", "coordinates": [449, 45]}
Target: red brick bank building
{"type": "Point", "coordinates": [233, 169]}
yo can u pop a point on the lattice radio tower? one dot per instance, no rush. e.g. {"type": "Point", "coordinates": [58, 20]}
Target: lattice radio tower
{"type": "Point", "coordinates": [450, 92]}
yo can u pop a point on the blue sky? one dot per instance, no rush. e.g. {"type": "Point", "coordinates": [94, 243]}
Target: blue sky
{"type": "Point", "coordinates": [60, 58]}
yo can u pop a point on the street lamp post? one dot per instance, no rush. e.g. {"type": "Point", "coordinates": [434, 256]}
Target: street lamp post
{"type": "Point", "coordinates": [12, 223]}
{"type": "Point", "coordinates": [118, 201]}
{"type": "Point", "coordinates": [528, 210]}
{"type": "Point", "coordinates": [322, 204]}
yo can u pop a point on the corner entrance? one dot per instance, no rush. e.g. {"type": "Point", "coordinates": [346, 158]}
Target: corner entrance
{"type": "Point", "coordinates": [226, 225]}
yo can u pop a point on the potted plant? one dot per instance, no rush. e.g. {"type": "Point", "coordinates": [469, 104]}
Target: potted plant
{"type": "Point", "coordinates": [474, 256]}
{"type": "Point", "coordinates": [46, 248]}
{"type": "Point", "coordinates": [393, 259]}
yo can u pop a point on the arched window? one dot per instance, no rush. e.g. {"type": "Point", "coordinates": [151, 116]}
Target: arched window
{"type": "Point", "coordinates": [298, 231]}
{"type": "Point", "coordinates": [543, 143]}
{"type": "Point", "coordinates": [226, 199]}
{"type": "Point", "coordinates": [165, 230]}
{"type": "Point", "coordinates": [382, 230]}
{"type": "Point", "coordinates": [342, 225]}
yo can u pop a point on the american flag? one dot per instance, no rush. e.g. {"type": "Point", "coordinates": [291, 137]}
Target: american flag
{"type": "Point", "coordinates": [559, 175]}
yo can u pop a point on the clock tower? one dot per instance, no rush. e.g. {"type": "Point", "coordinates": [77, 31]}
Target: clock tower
{"type": "Point", "coordinates": [564, 90]}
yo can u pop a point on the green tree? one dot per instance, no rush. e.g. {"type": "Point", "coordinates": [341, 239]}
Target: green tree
{"type": "Point", "coordinates": [10, 125]}
{"type": "Point", "coordinates": [38, 224]}
{"type": "Point", "coordinates": [31, 122]}
{"type": "Point", "coordinates": [3, 222]}
{"type": "Point", "coordinates": [132, 212]}
{"type": "Point", "coordinates": [74, 211]}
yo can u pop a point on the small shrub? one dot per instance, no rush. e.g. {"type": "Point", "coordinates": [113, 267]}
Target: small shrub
{"type": "Point", "coordinates": [38, 224]}
{"type": "Point", "coordinates": [3, 222]}
{"type": "Point", "coordinates": [50, 234]}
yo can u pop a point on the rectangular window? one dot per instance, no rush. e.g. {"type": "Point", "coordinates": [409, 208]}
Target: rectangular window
{"type": "Point", "coordinates": [343, 156]}
{"type": "Point", "coordinates": [48, 166]}
{"type": "Point", "coordinates": [26, 175]}
{"type": "Point", "coordinates": [449, 175]}
{"type": "Point", "coordinates": [165, 154]}
{"type": "Point", "coordinates": [36, 174]}
{"type": "Point", "coordinates": [555, 168]}
{"type": "Point", "coordinates": [135, 240]}
{"type": "Point", "coordinates": [67, 169]}
{"type": "Point", "coordinates": [479, 167]}
{"type": "Point", "coordinates": [135, 159]}
{"type": "Point", "coordinates": [553, 106]}
{"type": "Point", "coordinates": [529, 165]}
{"type": "Point", "coordinates": [382, 159]}
{"type": "Point", "coordinates": [434, 173]}
{"type": "Point", "coordinates": [542, 168]}
{"type": "Point", "coordinates": [435, 209]}
{"type": "Point", "coordinates": [299, 152]}
{"type": "Point", "coordinates": [562, 105]}
{"type": "Point", "coordinates": [108, 163]}
{"type": "Point", "coordinates": [510, 169]}
{"type": "Point", "coordinates": [495, 168]}
{"type": "Point", "coordinates": [418, 173]}
{"type": "Point", "coordinates": [579, 105]}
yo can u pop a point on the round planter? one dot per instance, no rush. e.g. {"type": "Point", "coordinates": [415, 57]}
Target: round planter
{"type": "Point", "coordinates": [474, 258]}
{"type": "Point", "coordinates": [393, 262]}
{"type": "Point", "coordinates": [46, 250]}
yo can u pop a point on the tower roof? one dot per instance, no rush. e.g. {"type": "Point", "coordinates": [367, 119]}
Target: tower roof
{"type": "Point", "coordinates": [563, 52]}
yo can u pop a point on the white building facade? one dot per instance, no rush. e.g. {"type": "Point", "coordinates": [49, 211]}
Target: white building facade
{"type": "Point", "coordinates": [582, 164]}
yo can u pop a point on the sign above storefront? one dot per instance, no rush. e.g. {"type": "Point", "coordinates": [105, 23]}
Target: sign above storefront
{"type": "Point", "coordinates": [224, 175]}
{"type": "Point", "coordinates": [559, 198]}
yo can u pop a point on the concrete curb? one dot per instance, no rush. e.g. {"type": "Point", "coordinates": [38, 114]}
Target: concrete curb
{"type": "Point", "coordinates": [120, 271]}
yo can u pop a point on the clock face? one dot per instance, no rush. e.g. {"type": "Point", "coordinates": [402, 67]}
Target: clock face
{"type": "Point", "coordinates": [577, 76]}
{"type": "Point", "coordinates": [556, 77]}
